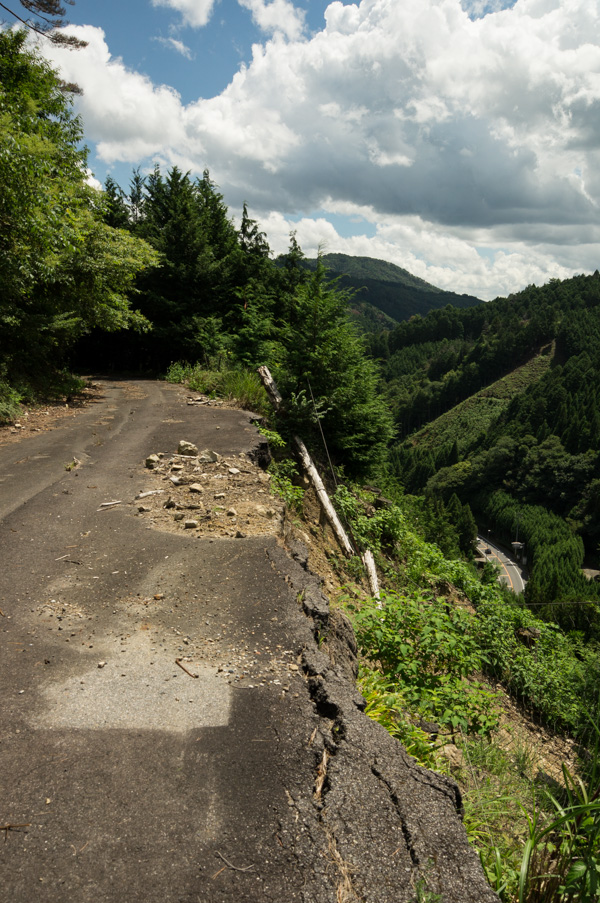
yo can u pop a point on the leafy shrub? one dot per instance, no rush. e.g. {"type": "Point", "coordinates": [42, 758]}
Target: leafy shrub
{"type": "Point", "coordinates": [428, 648]}
{"type": "Point", "coordinates": [9, 403]}
{"type": "Point", "coordinates": [388, 707]}
{"type": "Point", "coordinates": [272, 437]}
{"type": "Point", "coordinates": [557, 679]}
{"type": "Point", "coordinates": [283, 474]}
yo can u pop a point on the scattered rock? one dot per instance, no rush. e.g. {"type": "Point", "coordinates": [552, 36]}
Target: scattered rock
{"type": "Point", "coordinates": [190, 524]}
{"type": "Point", "coordinates": [206, 456]}
{"type": "Point", "coordinates": [240, 535]}
{"type": "Point", "coordinates": [101, 664]}
{"type": "Point", "coordinates": [143, 508]}
{"type": "Point", "coordinates": [219, 495]}
{"type": "Point", "coordinates": [233, 470]}
{"type": "Point", "coordinates": [430, 727]}
{"type": "Point", "coordinates": [187, 448]}
{"type": "Point", "coordinates": [231, 512]}
{"type": "Point", "coordinates": [178, 516]}
{"type": "Point", "coordinates": [453, 756]}
{"type": "Point", "coordinates": [196, 487]}
{"type": "Point", "coordinates": [152, 462]}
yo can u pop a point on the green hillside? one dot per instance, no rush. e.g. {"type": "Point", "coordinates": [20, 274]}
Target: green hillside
{"type": "Point", "coordinates": [465, 423]}
{"type": "Point", "coordinates": [372, 268]}
{"type": "Point", "coordinates": [389, 288]}
{"type": "Point", "coordinates": [500, 406]}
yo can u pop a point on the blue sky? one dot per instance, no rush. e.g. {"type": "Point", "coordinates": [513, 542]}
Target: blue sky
{"type": "Point", "coordinates": [458, 140]}
{"type": "Point", "coordinates": [142, 34]}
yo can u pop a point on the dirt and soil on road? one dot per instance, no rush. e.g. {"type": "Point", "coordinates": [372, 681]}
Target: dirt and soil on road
{"type": "Point", "coordinates": [172, 728]}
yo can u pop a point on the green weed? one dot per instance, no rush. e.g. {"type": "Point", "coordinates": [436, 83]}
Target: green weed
{"type": "Point", "coordinates": [388, 707]}
{"type": "Point", "coordinates": [239, 385]}
{"type": "Point", "coordinates": [283, 473]}
{"type": "Point", "coordinates": [429, 649]}
{"type": "Point", "coordinates": [561, 858]}
{"type": "Point", "coordinates": [9, 403]}
{"type": "Point", "coordinates": [272, 437]}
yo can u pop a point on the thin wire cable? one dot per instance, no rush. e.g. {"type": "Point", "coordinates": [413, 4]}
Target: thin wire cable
{"type": "Point", "coordinates": [321, 431]}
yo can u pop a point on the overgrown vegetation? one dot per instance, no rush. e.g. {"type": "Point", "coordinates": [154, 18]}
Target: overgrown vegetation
{"type": "Point", "coordinates": [555, 678]}
{"type": "Point", "coordinates": [227, 382]}
{"type": "Point", "coordinates": [430, 644]}
{"type": "Point", "coordinates": [499, 405]}
{"type": "Point", "coordinates": [429, 649]}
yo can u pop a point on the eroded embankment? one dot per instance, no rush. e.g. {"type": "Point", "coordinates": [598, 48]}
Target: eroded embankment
{"type": "Point", "coordinates": [388, 829]}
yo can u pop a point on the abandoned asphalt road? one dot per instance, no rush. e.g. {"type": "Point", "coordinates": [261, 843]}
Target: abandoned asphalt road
{"type": "Point", "coordinates": [125, 778]}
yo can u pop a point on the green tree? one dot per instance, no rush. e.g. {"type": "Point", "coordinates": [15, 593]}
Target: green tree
{"type": "Point", "coordinates": [200, 276]}
{"type": "Point", "coordinates": [63, 271]}
{"type": "Point", "coordinates": [326, 360]}
{"type": "Point", "coordinates": [116, 211]}
{"type": "Point", "coordinates": [464, 522]}
{"type": "Point", "coordinates": [136, 197]}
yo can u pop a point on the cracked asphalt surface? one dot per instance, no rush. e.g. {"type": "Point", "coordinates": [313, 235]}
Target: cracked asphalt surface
{"type": "Point", "coordinates": [170, 729]}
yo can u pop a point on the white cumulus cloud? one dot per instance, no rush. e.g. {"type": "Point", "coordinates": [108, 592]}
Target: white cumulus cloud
{"type": "Point", "coordinates": [177, 45]}
{"type": "Point", "coordinates": [276, 16]}
{"type": "Point", "coordinates": [125, 114]}
{"type": "Point", "coordinates": [194, 12]}
{"type": "Point", "coordinates": [471, 136]}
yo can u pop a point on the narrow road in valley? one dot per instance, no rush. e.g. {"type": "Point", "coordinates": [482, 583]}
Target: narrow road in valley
{"type": "Point", "coordinates": [512, 572]}
{"type": "Point", "coordinates": [179, 722]}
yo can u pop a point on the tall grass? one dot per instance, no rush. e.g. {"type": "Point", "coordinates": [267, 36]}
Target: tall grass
{"type": "Point", "coordinates": [561, 858]}
{"type": "Point", "coordinates": [233, 384]}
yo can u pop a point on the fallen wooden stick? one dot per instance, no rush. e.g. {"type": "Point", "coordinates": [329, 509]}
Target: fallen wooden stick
{"type": "Point", "coordinates": [183, 668]}
{"type": "Point", "coordinates": [235, 868]}
{"type": "Point", "coordinates": [369, 563]}
{"type": "Point", "coordinates": [7, 828]}
{"type": "Point", "coordinates": [322, 495]}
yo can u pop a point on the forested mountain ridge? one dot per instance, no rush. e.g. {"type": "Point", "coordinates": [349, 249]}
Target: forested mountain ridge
{"type": "Point", "coordinates": [388, 288]}
{"type": "Point", "coordinates": [500, 405]}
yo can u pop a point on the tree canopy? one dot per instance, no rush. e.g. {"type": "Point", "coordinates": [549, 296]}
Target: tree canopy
{"type": "Point", "coordinates": [45, 17]}
{"type": "Point", "coordinates": [63, 270]}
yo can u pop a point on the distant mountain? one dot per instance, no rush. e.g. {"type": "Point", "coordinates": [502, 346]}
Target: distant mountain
{"type": "Point", "coordinates": [388, 288]}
